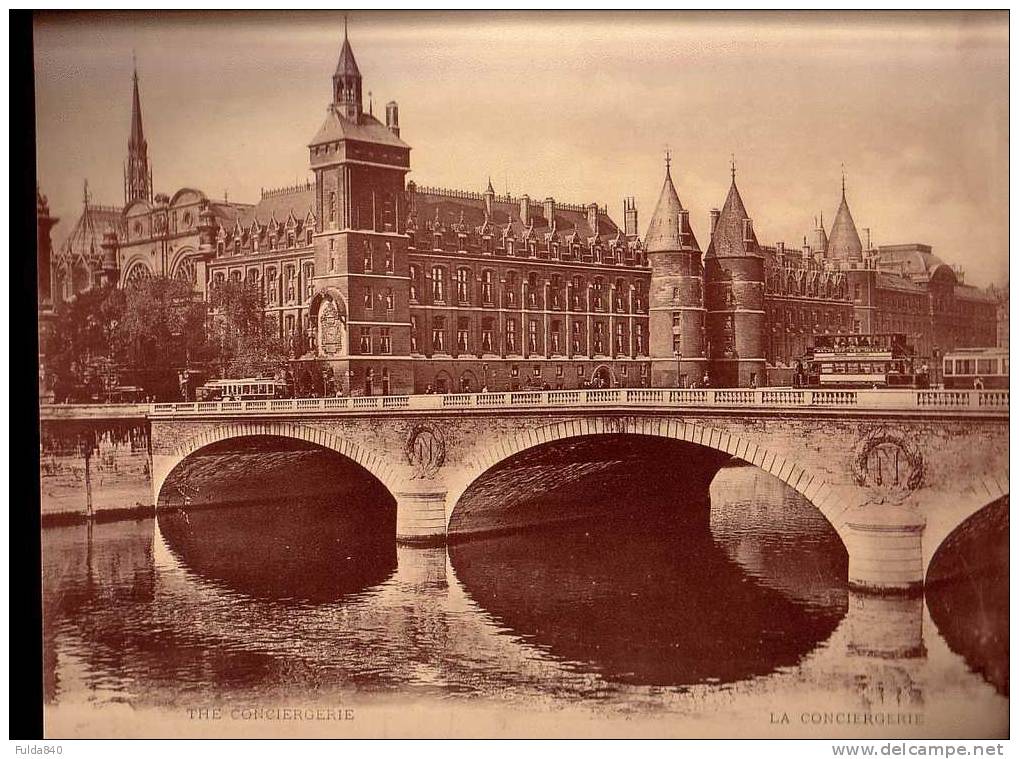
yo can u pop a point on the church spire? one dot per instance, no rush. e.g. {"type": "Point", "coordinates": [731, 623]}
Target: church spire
{"type": "Point", "coordinates": [347, 81]}
{"type": "Point", "coordinates": [137, 174]}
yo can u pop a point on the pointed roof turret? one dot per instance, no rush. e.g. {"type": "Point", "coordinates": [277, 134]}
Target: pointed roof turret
{"type": "Point", "coordinates": [669, 229]}
{"type": "Point", "coordinates": [844, 241]}
{"type": "Point", "coordinates": [347, 82]}
{"type": "Point", "coordinates": [733, 234]}
{"type": "Point", "coordinates": [346, 65]}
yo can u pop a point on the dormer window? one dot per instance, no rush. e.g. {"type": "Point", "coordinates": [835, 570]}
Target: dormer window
{"type": "Point", "coordinates": [237, 246]}
{"type": "Point", "coordinates": [291, 242]}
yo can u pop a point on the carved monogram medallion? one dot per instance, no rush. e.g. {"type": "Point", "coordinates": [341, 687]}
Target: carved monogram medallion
{"type": "Point", "coordinates": [426, 451]}
{"type": "Point", "coordinates": [889, 466]}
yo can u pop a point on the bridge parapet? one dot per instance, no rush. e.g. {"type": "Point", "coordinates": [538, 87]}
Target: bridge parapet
{"type": "Point", "coordinates": [994, 402]}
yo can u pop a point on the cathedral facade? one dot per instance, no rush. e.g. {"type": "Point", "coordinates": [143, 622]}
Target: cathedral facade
{"type": "Point", "coordinates": [400, 288]}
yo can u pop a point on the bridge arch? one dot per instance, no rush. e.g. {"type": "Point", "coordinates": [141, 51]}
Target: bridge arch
{"type": "Point", "coordinates": [370, 460]}
{"type": "Point", "coordinates": [804, 480]}
{"type": "Point", "coordinates": [947, 515]}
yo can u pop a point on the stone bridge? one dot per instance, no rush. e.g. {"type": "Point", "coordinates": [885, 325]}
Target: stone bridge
{"type": "Point", "coordinates": [893, 471]}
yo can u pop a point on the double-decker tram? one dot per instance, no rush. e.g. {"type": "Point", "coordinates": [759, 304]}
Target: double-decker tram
{"type": "Point", "coordinates": [976, 368]}
{"type": "Point", "coordinates": [862, 361]}
{"type": "Point", "coordinates": [249, 389]}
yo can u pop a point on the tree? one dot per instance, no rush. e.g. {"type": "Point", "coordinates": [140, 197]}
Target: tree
{"type": "Point", "coordinates": [246, 340]}
{"type": "Point", "coordinates": [80, 353]}
{"type": "Point", "coordinates": [162, 328]}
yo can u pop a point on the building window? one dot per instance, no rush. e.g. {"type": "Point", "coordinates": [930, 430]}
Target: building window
{"type": "Point", "coordinates": [309, 276]}
{"type": "Point", "coordinates": [511, 289]}
{"type": "Point", "coordinates": [462, 335]}
{"type": "Point", "coordinates": [463, 285]}
{"type": "Point", "coordinates": [413, 283]}
{"type": "Point", "coordinates": [514, 371]}
{"type": "Point", "coordinates": [599, 338]}
{"type": "Point", "coordinates": [366, 340]}
{"type": "Point", "coordinates": [291, 240]}
{"type": "Point", "coordinates": [554, 337]}
{"type": "Point", "coordinates": [575, 338]}
{"type": "Point", "coordinates": [532, 336]}
{"type": "Point", "coordinates": [578, 288]}
{"type": "Point", "coordinates": [413, 334]}
{"type": "Point", "coordinates": [438, 284]}
{"type": "Point", "coordinates": [597, 294]}
{"type": "Point", "coordinates": [486, 334]}
{"type": "Point", "coordinates": [332, 255]}
{"type": "Point", "coordinates": [389, 257]}
{"type": "Point", "coordinates": [511, 335]}
{"type": "Point", "coordinates": [307, 238]}
{"type": "Point", "coordinates": [532, 289]}
{"type": "Point", "coordinates": [439, 334]}
{"type": "Point", "coordinates": [389, 299]}
{"type": "Point", "coordinates": [486, 287]}
{"type": "Point", "coordinates": [856, 293]}
{"type": "Point", "coordinates": [639, 337]}
{"type": "Point", "coordinates": [385, 340]}
{"type": "Point", "coordinates": [237, 246]}
{"type": "Point", "coordinates": [368, 255]}
{"type": "Point", "coordinates": [368, 297]}
{"type": "Point", "coordinates": [332, 207]}
{"type": "Point", "coordinates": [620, 348]}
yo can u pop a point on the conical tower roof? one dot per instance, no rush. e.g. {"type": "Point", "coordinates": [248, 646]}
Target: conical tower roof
{"type": "Point", "coordinates": [670, 225]}
{"type": "Point", "coordinates": [729, 237]}
{"type": "Point", "coordinates": [346, 66]}
{"type": "Point", "coordinates": [844, 241]}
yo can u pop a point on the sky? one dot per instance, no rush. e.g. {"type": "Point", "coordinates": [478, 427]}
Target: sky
{"type": "Point", "coordinates": [577, 106]}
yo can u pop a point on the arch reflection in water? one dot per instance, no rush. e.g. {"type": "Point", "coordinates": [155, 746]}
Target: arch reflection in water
{"type": "Point", "coordinates": [310, 549]}
{"type": "Point", "coordinates": [644, 597]}
{"type": "Point", "coordinates": [967, 593]}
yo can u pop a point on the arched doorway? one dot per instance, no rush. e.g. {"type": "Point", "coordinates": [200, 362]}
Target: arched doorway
{"type": "Point", "coordinates": [603, 377]}
{"type": "Point", "coordinates": [468, 382]}
{"type": "Point", "coordinates": [443, 382]}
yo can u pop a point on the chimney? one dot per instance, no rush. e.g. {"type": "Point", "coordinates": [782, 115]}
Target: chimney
{"type": "Point", "coordinates": [393, 117]}
{"type": "Point", "coordinates": [592, 218]}
{"type": "Point", "coordinates": [866, 234]}
{"type": "Point", "coordinates": [525, 210]}
{"type": "Point", "coordinates": [550, 211]}
{"type": "Point", "coordinates": [715, 213]}
{"type": "Point", "coordinates": [630, 217]}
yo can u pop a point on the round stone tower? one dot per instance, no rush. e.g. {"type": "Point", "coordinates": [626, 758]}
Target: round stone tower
{"type": "Point", "coordinates": [734, 296]}
{"type": "Point", "coordinates": [676, 320]}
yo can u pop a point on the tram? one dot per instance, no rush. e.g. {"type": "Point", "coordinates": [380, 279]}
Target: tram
{"type": "Point", "coordinates": [969, 368]}
{"type": "Point", "coordinates": [248, 389]}
{"type": "Point", "coordinates": [862, 361]}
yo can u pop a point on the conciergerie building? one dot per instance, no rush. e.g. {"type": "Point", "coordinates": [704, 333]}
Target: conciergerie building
{"type": "Point", "coordinates": [403, 288]}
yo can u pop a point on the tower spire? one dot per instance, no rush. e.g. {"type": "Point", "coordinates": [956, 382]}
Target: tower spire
{"type": "Point", "coordinates": [137, 174]}
{"type": "Point", "coordinates": [843, 181]}
{"type": "Point", "coordinates": [732, 166]}
{"type": "Point", "coordinates": [347, 81]}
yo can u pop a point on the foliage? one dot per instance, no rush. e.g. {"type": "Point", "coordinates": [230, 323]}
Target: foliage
{"type": "Point", "coordinates": [246, 341]}
{"type": "Point", "coordinates": [162, 327]}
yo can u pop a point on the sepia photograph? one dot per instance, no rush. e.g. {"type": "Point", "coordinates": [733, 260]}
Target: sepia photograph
{"type": "Point", "coordinates": [537, 374]}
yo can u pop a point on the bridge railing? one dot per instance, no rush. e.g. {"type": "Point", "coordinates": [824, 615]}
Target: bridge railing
{"type": "Point", "coordinates": [735, 398]}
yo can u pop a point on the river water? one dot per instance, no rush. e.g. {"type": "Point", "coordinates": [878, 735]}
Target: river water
{"type": "Point", "coordinates": [290, 618]}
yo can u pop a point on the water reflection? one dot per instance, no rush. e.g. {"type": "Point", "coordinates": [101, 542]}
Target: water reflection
{"type": "Point", "coordinates": [646, 598]}
{"type": "Point", "coordinates": [664, 613]}
{"type": "Point", "coordinates": [314, 550]}
{"type": "Point", "coordinates": [968, 593]}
